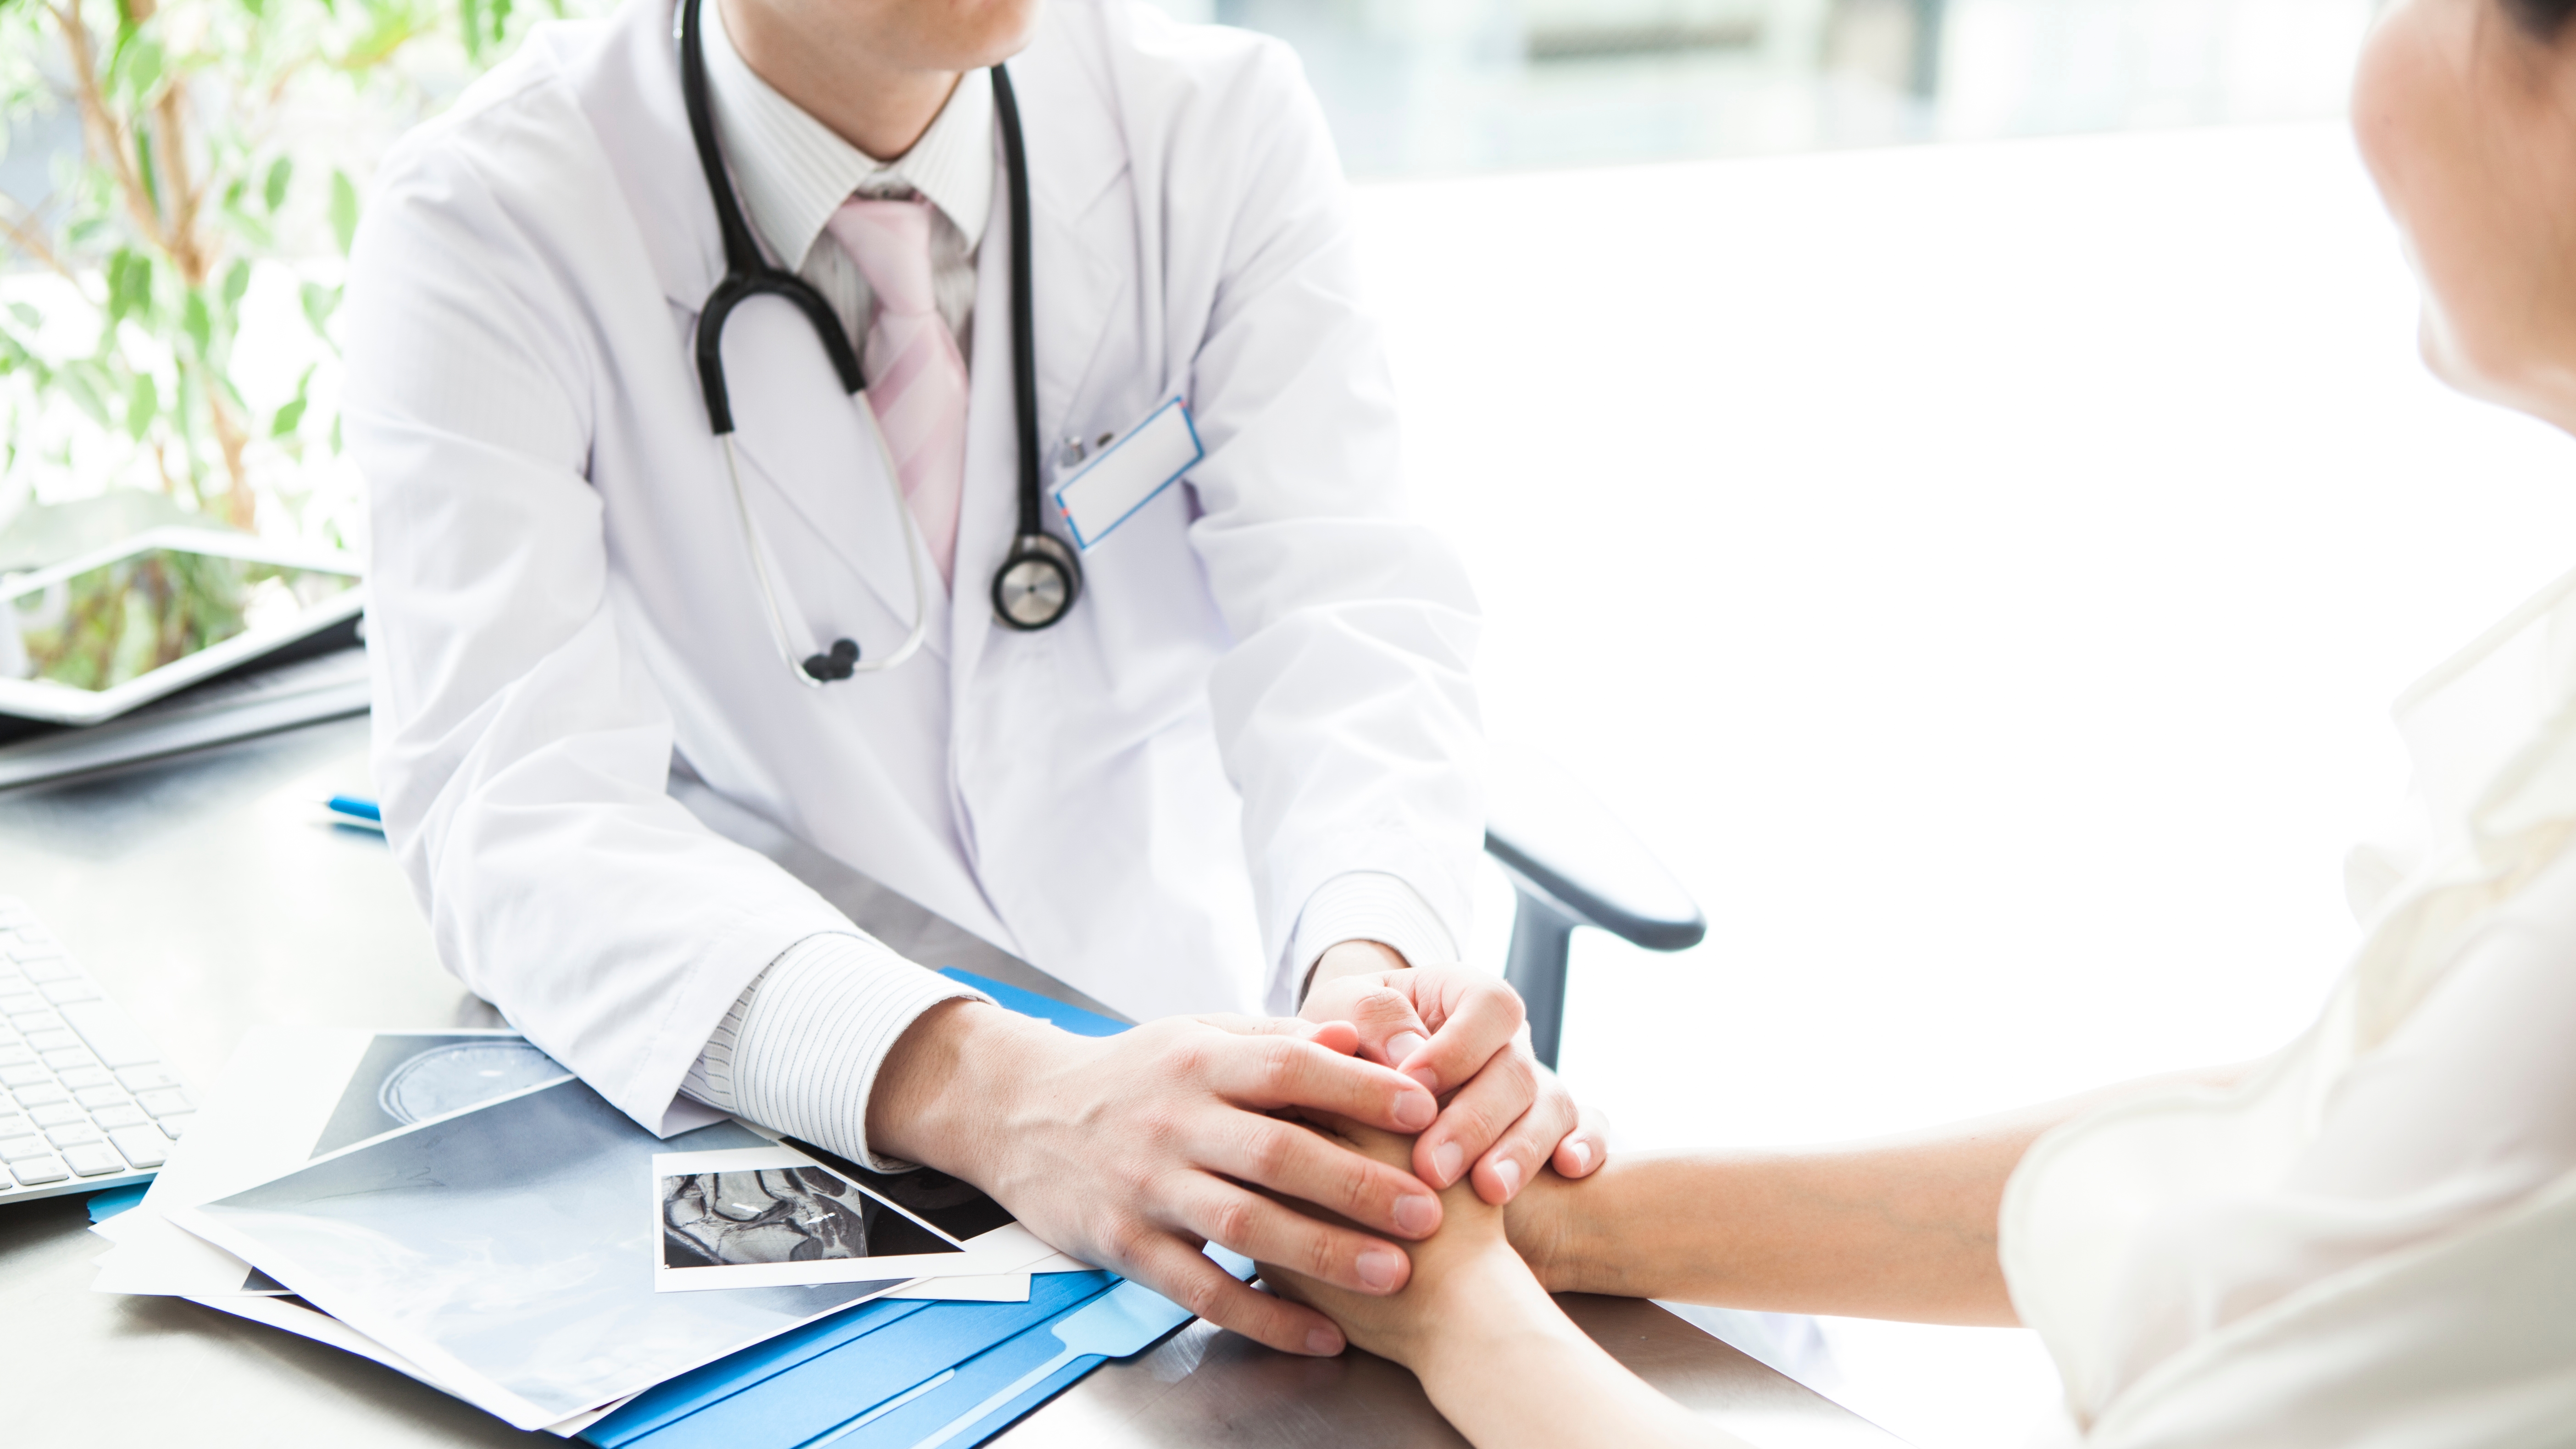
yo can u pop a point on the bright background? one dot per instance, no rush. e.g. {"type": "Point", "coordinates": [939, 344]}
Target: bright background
{"type": "Point", "coordinates": [1978, 569]}
{"type": "Point", "coordinates": [1981, 573]}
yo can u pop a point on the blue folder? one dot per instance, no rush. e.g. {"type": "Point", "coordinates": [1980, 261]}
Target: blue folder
{"type": "Point", "coordinates": [807, 1383]}
{"type": "Point", "coordinates": [991, 1391]}
{"type": "Point", "coordinates": [826, 1390]}
{"type": "Point", "coordinates": [1045, 1008]}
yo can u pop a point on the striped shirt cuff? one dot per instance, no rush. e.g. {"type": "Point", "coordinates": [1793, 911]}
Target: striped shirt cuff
{"type": "Point", "coordinates": [1368, 905]}
{"type": "Point", "coordinates": [800, 1050]}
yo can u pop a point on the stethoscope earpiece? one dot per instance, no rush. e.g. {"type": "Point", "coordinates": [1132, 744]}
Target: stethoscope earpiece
{"type": "Point", "coordinates": [840, 663]}
{"type": "Point", "coordinates": [1039, 580]}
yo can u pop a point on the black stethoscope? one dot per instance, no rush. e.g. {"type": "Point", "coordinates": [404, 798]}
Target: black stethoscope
{"type": "Point", "coordinates": [1039, 578]}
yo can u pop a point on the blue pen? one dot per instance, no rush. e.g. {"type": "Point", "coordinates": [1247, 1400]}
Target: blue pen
{"type": "Point", "coordinates": [358, 809]}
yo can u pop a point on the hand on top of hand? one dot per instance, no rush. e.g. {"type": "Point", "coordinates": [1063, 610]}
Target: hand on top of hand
{"type": "Point", "coordinates": [1461, 1034]}
{"type": "Point", "coordinates": [1131, 1151]}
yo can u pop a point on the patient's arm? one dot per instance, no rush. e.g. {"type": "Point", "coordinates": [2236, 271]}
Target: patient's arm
{"type": "Point", "coordinates": [1493, 1351]}
{"type": "Point", "coordinates": [1898, 1228]}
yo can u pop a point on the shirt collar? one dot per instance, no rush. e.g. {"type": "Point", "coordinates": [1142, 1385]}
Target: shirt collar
{"type": "Point", "coordinates": [795, 172]}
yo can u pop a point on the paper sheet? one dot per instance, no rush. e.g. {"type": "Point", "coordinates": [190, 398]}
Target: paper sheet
{"type": "Point", "coordinates": [288, 1093]}
{"type": "Point", "coordinates": [295, 1318]}
{"type": "Point", "coordinates": [501, 1249]}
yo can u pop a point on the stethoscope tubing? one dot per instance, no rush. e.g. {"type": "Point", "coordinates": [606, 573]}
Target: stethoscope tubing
{"type": "Point", "coordinates": [916, 554]}
{"type": "Point", "coordinates": [748, 274]}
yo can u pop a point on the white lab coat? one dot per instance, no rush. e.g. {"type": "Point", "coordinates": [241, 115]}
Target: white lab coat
{"type": "Point", "coordinates": [1264, 684]}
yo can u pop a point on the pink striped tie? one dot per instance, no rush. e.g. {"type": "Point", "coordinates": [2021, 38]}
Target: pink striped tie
{"type": "Point", "coordinates": [916, 380]}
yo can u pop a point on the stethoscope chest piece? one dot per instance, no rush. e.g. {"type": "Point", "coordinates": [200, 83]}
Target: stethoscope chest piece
{"type": "Point", "coordinates": [1038, 580]}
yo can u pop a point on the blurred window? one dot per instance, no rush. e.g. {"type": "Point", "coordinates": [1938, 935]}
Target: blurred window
{"type": "Point", "coordinates": [1431, 86]}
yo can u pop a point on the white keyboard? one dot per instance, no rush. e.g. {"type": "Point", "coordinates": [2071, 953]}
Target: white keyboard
{"type": "Point", "coordinates": [85, 1100]}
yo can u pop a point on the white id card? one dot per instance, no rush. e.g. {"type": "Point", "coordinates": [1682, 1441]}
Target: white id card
{"type": "Point", "coordinates": [1127, 475]}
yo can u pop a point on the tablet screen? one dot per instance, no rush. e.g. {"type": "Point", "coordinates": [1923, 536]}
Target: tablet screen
{"type": "Point", "coordinates": [122, 620]}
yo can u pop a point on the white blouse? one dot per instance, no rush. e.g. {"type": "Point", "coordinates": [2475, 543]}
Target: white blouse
{"type": "Point", "coordinates": [2372, 1240]}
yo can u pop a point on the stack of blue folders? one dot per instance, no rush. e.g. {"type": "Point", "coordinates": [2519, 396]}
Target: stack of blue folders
{"type": "Point", "coordinates": [900, 1374]}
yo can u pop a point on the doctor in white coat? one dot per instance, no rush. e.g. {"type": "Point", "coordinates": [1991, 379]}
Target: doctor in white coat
{"type": "Point", "coordinates": [1236, 776]}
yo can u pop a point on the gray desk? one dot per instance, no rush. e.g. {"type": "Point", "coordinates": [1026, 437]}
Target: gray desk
{"type": "Point", "coordinates": [208, 893]}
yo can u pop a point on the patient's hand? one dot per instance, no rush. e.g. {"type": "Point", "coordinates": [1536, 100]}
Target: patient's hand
{"type": "Point", "coordinates": [1545, 1225]}
{"type": "Point", "coordinates": [1494, 1352]}
{"type": "Point", "coordinates": [1465, 1274]}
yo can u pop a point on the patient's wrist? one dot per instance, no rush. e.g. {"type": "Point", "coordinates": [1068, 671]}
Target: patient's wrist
{"type": "Point", "coordinates": [1556, 1226]}
{"type": "Point", "coordinates": [1473, 1311]}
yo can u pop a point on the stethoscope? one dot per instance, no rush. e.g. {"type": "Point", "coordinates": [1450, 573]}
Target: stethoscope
{"type": "Point", "coordinates": [1038, 579]}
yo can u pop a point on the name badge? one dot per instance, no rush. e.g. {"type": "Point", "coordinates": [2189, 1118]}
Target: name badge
{"type": "Point", "coordinates": [1129, 473]}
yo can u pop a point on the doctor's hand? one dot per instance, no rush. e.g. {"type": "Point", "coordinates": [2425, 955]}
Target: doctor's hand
{"type": "Point", "coordinates": [1132, 1151]}
{"type": "Point", "coordinates": [1462, 1034]}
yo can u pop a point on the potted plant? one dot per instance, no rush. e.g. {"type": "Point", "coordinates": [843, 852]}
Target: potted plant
{"type": "Point", "coordinates": [166, 320]}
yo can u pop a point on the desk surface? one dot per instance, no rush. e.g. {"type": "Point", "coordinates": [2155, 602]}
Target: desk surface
{"type": "Point", "coordinates": [209, 894]}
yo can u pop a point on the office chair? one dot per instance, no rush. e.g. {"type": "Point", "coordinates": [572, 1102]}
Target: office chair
{"type": "Point", "coordinates": [1571, 863]}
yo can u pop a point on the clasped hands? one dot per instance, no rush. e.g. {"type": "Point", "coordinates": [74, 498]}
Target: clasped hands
{"type": "Point", "coordinates": [1133, 1151]}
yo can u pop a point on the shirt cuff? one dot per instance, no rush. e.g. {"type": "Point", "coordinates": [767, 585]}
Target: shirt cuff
{"type": "Point", "coordinates": [1368, 905]}
{"type": "Point", "coordinates": [800, 1050]}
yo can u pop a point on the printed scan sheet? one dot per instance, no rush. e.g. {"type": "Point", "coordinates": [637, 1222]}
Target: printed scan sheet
{"type": "Point", "coordinates": [767, 1217]}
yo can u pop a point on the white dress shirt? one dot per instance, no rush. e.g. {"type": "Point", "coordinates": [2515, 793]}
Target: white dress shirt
{"type": "Point", "coordinates": [801, 1048]}
{"type": "Point", "coordinates": [793, 172]}
{"type": "Point", "coordinates": [2373, 1239]}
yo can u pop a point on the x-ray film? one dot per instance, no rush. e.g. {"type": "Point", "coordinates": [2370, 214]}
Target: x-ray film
{"type": "Point", "coordinates": [499, 1249]}
{"type": "Point", "coordinates": [772, 1217]}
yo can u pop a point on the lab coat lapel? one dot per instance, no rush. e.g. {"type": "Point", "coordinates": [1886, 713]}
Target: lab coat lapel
{"type": "Point", "coordinates": [1075, 153]}
{"type": "Point", "coordinates": [988, 514]}
{"type": "Point", "coordinates": [801, 440]}
{"type": "Point", "coordinates": [656, 164]}
{"type": "Point", "coordinates": [816, 447]}
{"type": "Point", "coordinates": [1084, 251]}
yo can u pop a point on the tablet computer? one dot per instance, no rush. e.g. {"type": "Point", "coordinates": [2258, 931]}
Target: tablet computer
{"type": "Point", "coordinates": [94, 636]}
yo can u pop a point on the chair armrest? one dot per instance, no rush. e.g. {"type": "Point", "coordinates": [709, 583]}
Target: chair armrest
{"type": "Point", "coordinates": [1558, 843]}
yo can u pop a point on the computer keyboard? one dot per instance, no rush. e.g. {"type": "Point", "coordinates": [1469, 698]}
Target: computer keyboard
{"type": "Point", "coordinates": [85, 1100]}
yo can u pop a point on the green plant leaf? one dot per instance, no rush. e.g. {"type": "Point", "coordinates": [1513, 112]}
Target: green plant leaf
{"type": "Point", "coordinates": [288, 418]}
{"type": "Point", "coordinates": [183, 410]}
{"type": "Point", "coordinates": [273, 190]}
{"type": "Point", "coordinates": [344, 209]}
{"type": "Point", "coordinates": [150, 173]}
{"type": "Point", "coordinates": [319, 303]}
{"type": "Point", "coordinates": [469, 14]}
{"type": "Point", "coordinates": [85, 382]}
{"type": "Point", "coordinates": [142, 68]}
{"type": "Point", "coordinates": [141, 405]}
{"type": "Point", "coordinates": [129, 286]}
{"type": "Point", "coordinates": [27, 316]}
{"type": "Point", "coordinates": [197, 322]}
{"type": "Point", "coordinates": [236, 283]}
